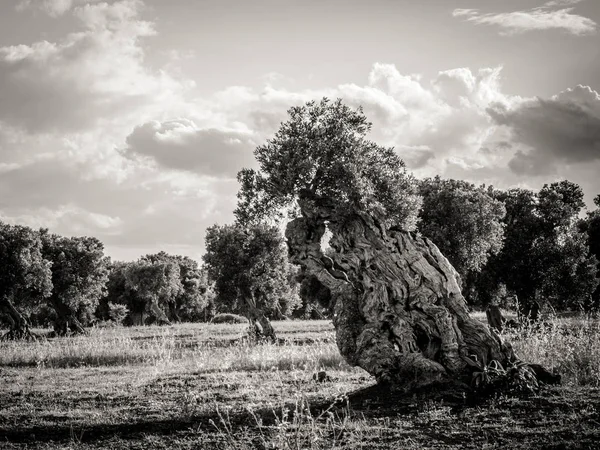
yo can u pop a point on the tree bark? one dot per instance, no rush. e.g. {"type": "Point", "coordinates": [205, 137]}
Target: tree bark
{"type": "Point", "coordinates": [159, 316]}
{"type": "Point", "coordinates": [398, 309]}
{"type": "Point", "coordinates": [66, 321]}
{"type": "Point", "coordinates": [19, 325]}
{"type": "Point", "coordinates": [260, 325]}
{"type": "Point", "coordinates": [494, 317]}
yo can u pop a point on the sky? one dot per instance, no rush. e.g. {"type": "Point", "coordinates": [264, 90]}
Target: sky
{"type": "Point", "coordinates": [128, 120]}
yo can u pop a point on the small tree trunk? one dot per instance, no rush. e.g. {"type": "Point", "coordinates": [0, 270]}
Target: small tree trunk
{"type": "Point", "coordinates": [398, 309]}
{"type": "Point", "coordinates": [159, 315]}
{"type": "Point", "coordinates": [530, 311]}
{"type": "Point", "coordinates": [19, 325]}
{"type": "Point", "coordinates": [260, 325]}
{"type": "Point", "coordinates": [174, 313]}
{"type": "Point", "coordinates": [66, 321]}
{"type": "Point", "coordinates": [494, 317]}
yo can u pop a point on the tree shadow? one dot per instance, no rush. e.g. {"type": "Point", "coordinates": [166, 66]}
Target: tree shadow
{"type": "Point", "coordinates": [373, 401]}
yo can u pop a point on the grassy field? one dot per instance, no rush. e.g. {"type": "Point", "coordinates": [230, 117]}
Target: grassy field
{"type": "Point", "coordinates": [198, 386]}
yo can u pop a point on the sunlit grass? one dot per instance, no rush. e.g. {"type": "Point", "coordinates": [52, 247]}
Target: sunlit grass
{"type": "Point", "coordinates": [204, 347]}
{"type": "Point", "coordinates": [570, 347]}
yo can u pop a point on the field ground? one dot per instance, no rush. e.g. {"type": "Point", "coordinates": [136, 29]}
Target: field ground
{"type": "Point", "coordinates": [196, 386]}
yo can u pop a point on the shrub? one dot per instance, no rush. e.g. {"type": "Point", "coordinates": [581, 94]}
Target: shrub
{"type": "Point", "coordinates": [117, 312]}
{"type": "Point", "coordinates": [229, 318]}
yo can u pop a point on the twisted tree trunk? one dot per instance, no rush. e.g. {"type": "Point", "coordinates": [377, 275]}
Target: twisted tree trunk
{"type": "Point", "coordinates": [260, 325]}
{"type": "Point", "coordinates": [398, 309]}
{"type": "Point", "coordinates": [19, 325]}
{"type": "Point", "coordinates": [66, 322]}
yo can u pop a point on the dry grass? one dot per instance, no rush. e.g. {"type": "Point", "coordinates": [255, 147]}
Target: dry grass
{"type": "Point", "coordinates": [205, 347]}
{"type": "Point", "coordinates": [199, 386]}
{"type": "Point", "coordinates": [569, 347]}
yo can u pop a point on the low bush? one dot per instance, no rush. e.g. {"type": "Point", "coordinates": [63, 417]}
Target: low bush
{"type": "Point", "coordinates": [229, 318]}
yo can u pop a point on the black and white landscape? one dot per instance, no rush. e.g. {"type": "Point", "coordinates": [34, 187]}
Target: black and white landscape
{"type": "Point", "coordinates": [285, 224]}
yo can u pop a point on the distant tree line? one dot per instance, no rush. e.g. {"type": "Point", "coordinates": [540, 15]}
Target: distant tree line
{"type": "Point", "coordinates": [533, 247]}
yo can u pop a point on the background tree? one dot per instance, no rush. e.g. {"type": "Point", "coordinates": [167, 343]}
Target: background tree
{"type": "Point", "coordinates": [25, 278]}
{"type": "Point", "coordinates": [153, 287]}
{"type": "Point", "coordinates": [545, 256]}
{"type": "Point", "coordinates": [191, 300]}
{"type": "Point", "coordinates": [116, 293]}
{"type": "Point", "coordinates": [250, 271]}
{"type": "Point", "coordinates": [79, 275]}
{"type": "Point", "coordinates": [591, 227]}
{"type": "Point", "coordinates": [464, 222]}
{"type": "Point", "coordinates": [399, 312]}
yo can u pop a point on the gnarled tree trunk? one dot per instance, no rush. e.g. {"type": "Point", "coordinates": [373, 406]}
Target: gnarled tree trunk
{"type": "Point", "coordinates": [494, 317]}
{"type": "Point", "coordinates": [259, 323]}
{"type": "Point", "coordinates": [66, 322]}
{"type": "Point", "coordinates": [398, 309]}
{"type": "Point", "coordinates": [19, 325]}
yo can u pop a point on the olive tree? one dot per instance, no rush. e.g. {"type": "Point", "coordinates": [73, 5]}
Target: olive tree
{"type": "Point", "coordinates": [153, 287]}
{"type": "Point", "coordinates": [25, 278]}
{"type": "Point", "coordinates": [79, 275]}
{"type": "Point", "coordinates": [250, 271]}
{"type": "Point", "coordinates": [545, 257]}
{"type": "Point", "coordinates": [398, 309]}
{"type": "Point", "coordinates": [192, 298]}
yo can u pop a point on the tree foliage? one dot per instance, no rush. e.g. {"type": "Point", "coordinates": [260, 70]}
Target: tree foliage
{"type": "Point", "coordinates": [463, 221]}
{"type": "Point", "coordinates": [189, 301]}
{"type": "Point", "coordinates": [249, 267]}
{"type": "Point", "coordinates": [159, 287]}
{"type": "Point", "coordinates": [321, 151]}
{"type": "Point", "coordinates": [25, 278]}
{"type": "Point", "coordinates": [545, 254]}
{"type": "Point", "coordinates": [591, 227]}
{"type": "Point", "coordinates": [79, 274]}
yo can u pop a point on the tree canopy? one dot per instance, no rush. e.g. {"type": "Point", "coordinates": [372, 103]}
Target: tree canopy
{"type": "Point", "coordinates": [463, 221]}
{"type": "Point", "coordinates": [79, 274]}
{"type": "Point", "coordinates": [545, 254]}
{"type": "Point", "coordinates": [249, 268]}
{"type": "Point", "coordinates": [321, 151]}
{"type": "Point", "coordinates": [25, 277]}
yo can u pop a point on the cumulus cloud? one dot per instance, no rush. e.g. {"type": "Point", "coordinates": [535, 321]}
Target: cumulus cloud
{"type": "Point", "coordinates": [425, 120]}
{"type": "Point", "coordinates": [559, 130]}
{"type": "Point", "coordinates": [545, 17]}
{"type": "Point", "coordinates": [182, 145]}
{"type": "Point", "coordinates": [86, 78]}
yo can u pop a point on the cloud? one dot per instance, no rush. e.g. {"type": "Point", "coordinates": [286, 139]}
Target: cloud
{"type": "Point", "coordinates": [564, 129]}
{"type": "Point", "coordinates": [86, 78]}
{"type": "Point", "coordinates": [54, 8]}
{"type": "Point", "coordinates": [75, 219]}
{"type": "Point", "coordinates": [180, 144]}
{"type": "Point", "coordinates": [425, 120]}
{"type": "Point", "coordinates": [545, 17]}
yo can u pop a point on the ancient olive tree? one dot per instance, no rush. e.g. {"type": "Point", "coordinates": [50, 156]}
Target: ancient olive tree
{"type": "Point", "coordinates": [25, 278]}
{"type": "Point", "coordinates": [79, 275]}
{"type": "Point", "coordinates": [398, 309]}
{"type": "Point", "coordinates": [249, 268]}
